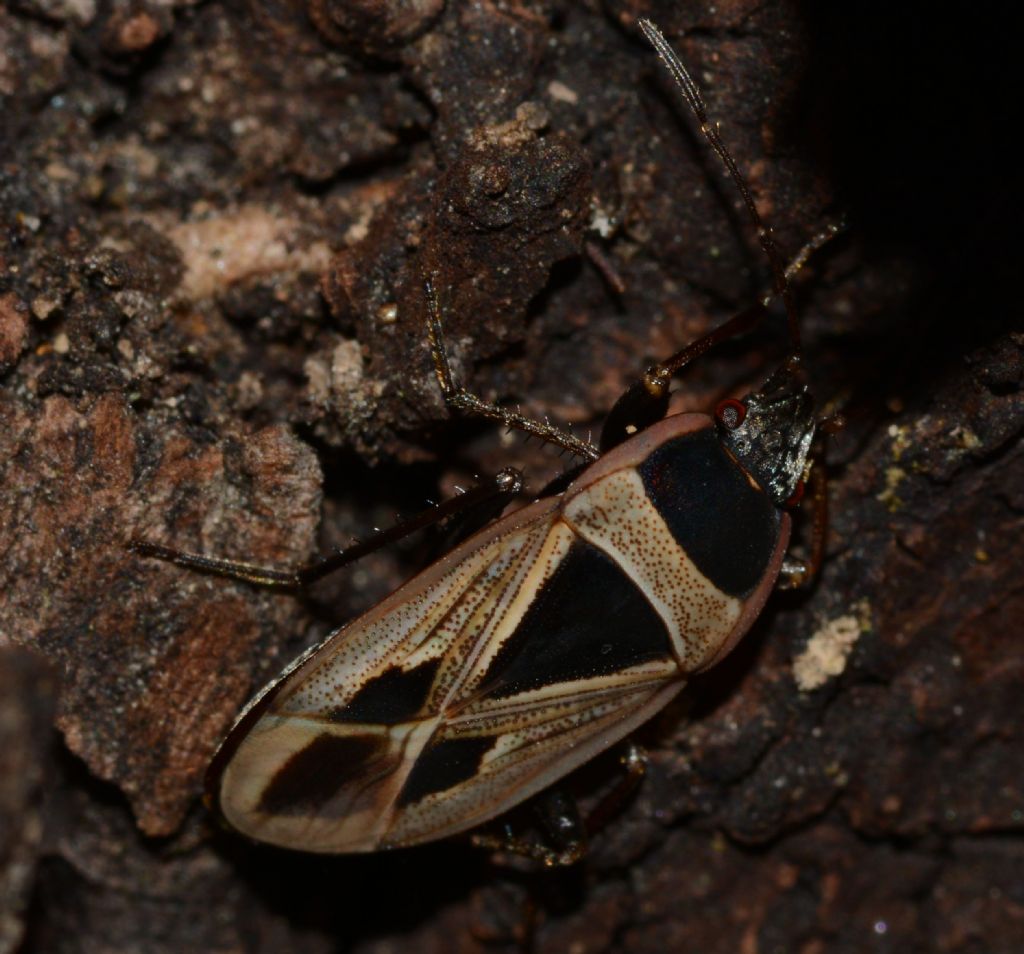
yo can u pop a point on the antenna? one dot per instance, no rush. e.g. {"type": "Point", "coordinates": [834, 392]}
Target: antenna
{"type": "Point", "coordinates": [691, 93]}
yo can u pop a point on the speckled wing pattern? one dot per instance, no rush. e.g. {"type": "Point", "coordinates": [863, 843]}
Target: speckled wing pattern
{"type": "Point", "coordinates": [534, 646]}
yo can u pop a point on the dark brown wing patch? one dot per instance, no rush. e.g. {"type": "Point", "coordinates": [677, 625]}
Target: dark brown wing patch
{"type": "Point", "coordinates": [312, 777]}
{"type": "Point", "coordinates": [443, 765]}
{"type": "Point", "coordinates": [395, 696]}
{"type": "Point", "coordinates": [563, 638]}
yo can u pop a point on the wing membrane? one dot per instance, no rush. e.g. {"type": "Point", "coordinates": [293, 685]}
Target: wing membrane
{"type": "Point", "coordinates": [524, 747]}
{"type": "Point", "coordinates": [426, 716]}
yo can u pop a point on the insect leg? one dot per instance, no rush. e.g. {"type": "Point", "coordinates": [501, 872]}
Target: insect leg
{"type": "Point", "coordinates": [796, 574]}
{"type": "Point", "coordinates": [646, 401]}
{"type": "Point", "coordinates": [505, 485]}
{"type": "Point", "coordinates": [459, 399]}
{"type": "Point", "coordinates": [817, 241]}
{"type": "Point", "coordinates": [634, 765]}
{"type": "Point", "coordinates": [560, 818]}
{"type": "Point", "coordinates": [657, 377]}
{"type": "Point", "coordinates": [567, 832]}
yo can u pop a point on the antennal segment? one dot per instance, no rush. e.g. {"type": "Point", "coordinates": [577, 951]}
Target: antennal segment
{"type": "Point", "coordinates": [691, 93]}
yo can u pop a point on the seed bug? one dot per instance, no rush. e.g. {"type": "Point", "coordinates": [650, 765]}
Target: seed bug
{"type": "Point", "coordinates": [550, 634]}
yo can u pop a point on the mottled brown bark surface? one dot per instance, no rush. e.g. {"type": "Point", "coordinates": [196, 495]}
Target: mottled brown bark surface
{"type": "Point", "coordinates": [215, 220]}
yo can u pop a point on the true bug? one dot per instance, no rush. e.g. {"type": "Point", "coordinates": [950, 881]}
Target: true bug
{"type": "Point", "coordinates": [547, 636]}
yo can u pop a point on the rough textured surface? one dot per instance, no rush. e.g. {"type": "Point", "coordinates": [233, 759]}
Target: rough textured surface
{"type": "Point", "coordinates": [215, 222]}
{"type": "Point", "coordinates": [27, 746]}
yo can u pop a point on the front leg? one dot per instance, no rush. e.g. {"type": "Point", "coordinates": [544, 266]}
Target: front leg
{"type": "Point", "coordinates": [459, 399]}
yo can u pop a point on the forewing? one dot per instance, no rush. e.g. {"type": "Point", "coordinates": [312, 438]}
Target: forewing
{"type": "Point", "coordinates": [318, 762]}
{"type": "Point", "coordinates": [497, 752]}
{"type": "Point", "coordinates": [477, 684]}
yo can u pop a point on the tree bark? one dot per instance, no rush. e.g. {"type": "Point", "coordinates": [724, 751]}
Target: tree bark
{"type": "Point", "coordinates": [217, 220]}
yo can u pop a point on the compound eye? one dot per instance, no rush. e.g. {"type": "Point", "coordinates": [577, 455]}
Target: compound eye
{"type": "Point", "coordinates": [730, 413]}
{"type": "Point", "coordinates": [796, 496]}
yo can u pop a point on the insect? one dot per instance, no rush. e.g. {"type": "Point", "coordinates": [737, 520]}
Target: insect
{"type": "Point", "coordinates": [549, 635]}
